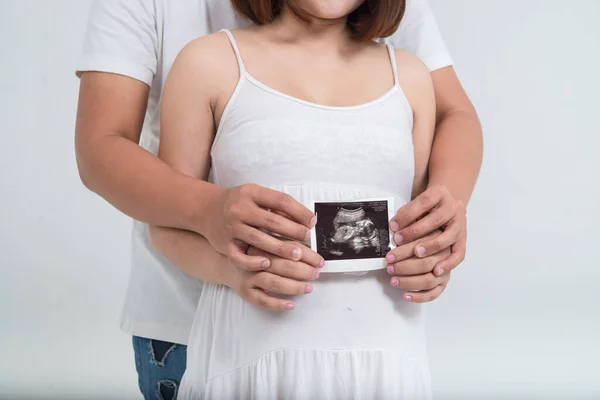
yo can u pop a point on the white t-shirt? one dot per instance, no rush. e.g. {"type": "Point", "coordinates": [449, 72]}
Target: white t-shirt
{"type": "Point", "coordinates": [140, 39]}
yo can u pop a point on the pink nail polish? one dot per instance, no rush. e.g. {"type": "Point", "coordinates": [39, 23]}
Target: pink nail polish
{"type": "Point", "coordinates": [408, 298]}
{"type": "Point", "coordinates": [290, 306]}
{"type": "Point", "coordinates": [398, 239]}
{"type": "Point", "coordinates": [390, 258]}
{"type": "Point", "coordinates": [395, 282]}
{"type": "Point", "coordinates": [390, 270]}
{"type": "Point", "coordinates": [317, 275]}
{"type": "Point", "coordinates": [322, 264]}
{"type": "Point", "coordinates": [394, 226]}
{"type": "Point", "coordinates": [308, 289]}
{"type": "Point", "coordinates": [420, 251]}
{"type": "Point", "coordinates": [296, 254]}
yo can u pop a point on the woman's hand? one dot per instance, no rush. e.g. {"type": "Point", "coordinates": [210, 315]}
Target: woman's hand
{"type": "Point", "coordinates": [416, 275]}
{"type": "Point", "coordinates": [237, 215]}
{"type": "Point", "coordinates": [434, 209]}
{"type": "Point", "coordinates": [283, 278]}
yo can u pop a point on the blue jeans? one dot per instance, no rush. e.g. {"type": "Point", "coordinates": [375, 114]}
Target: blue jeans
{"type": "Point", "coordinates": [160, 367]}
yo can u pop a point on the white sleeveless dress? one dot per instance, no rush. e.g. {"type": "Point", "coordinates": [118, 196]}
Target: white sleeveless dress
{"type": "Point", "coordinates": [354, 337]}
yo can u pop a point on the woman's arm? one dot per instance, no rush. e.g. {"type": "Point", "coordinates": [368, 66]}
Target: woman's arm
{"type": "Point", "coordinates": [407, 272]}
{"type": "Point", "coordinates": [454, 166]}
{"type": "Point", "coordinates": [199, 83]}
{"type": "Point", "coordinates": [193, 254]}
{"type": "Point", "coordinates": [417, 85]}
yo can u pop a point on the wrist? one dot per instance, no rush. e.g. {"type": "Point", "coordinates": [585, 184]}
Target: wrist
{"type": "Point", "coordinates": [454, 188]}
{"type": "Point", "coordinates": [229, 274]}
{"type": "Point", "coordinates": [196, 209]}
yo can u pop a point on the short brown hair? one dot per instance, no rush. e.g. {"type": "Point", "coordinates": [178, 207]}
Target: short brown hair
{"type": "Point", "coordinates": [371, 20]}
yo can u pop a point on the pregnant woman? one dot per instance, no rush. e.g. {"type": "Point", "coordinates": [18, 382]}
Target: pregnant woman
{"type": "Point", "coordinates": [305, 102]}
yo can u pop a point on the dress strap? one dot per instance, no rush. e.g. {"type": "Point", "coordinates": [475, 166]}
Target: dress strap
{"type": "Point", "coordinates": [236, 50]}
{"type": "Point", "coordinates": [392, 53]}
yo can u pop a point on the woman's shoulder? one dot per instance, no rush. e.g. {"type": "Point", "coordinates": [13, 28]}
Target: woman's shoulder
{"type": "Point", "coordinates": [208, 51]}
{"type": "Point", "coordinates": [207, 64]}
{"type": "Point", "coordinates": [415, 80]}
{"type": "Point", "coordinates": [410, 67]}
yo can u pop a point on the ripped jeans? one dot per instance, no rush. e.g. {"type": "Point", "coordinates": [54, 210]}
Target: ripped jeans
{"type": "Point", "coordinates": [160, 367]}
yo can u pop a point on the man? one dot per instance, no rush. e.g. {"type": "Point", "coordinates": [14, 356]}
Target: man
{"type": "Point", "coordinates": [128, 50]}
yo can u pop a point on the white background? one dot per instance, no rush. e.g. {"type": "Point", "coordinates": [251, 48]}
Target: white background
{"type": "Point", "coordinates": [520, 318]}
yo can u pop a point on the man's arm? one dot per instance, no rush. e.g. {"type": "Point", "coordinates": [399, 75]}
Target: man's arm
{"type": "Point", "coordinates": [119, 60]}
{"type": "Point", "coordinates": [458, 143]}
{"type": "Point", "coordinates": [112, 164]}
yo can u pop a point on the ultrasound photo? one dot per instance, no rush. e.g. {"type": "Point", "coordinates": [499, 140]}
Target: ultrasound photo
{"type": "Point", "coordinates": [352, 230]}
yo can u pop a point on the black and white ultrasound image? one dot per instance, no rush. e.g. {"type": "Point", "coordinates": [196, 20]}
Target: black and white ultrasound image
{"type": "Point", "coordinates": [352, 230]}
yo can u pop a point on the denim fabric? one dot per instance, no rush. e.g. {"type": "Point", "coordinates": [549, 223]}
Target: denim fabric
{"type": "Point", "coordinates": [160, 367]}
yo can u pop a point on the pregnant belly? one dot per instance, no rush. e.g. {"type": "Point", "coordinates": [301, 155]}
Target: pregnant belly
{"type": "Point", "coordinates": [343, 312]}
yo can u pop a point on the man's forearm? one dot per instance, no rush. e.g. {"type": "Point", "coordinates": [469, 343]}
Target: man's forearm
{"type": "Point", "coordinates": [192, 253]}
{"type": "Point", "coordinates": [457, 153]}
{"type": "Point", "coordinates": [141, 185]}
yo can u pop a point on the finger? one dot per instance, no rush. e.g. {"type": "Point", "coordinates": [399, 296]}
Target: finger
{"type": "Point", "coordinates": [425, 296]}
{"type": "Point", "coordinates": [407, 250]}
{"type": "Point", "coordinates": [281, 286]}
{"type": "Point", "coordinates": [278, 224]}
{"type": "Point", "coordinates": [311, 257]}
{"type": "Point", "coordinates": [295, 270]}
{"type": "Point", "coordinates": [416, 266]}
{"type": "Point", "coordinates": [263, 241]}
{"type": "Point", "coordinates": [285, 203]}
{"type": "Point", "coordinates": [246, 261]}
{"type": "Point", "coordinates": [457, 256]}
{"type": "Point", "coordinates": [418, 282]}
{"type": "Point", "coordinates": [412, 211]}
{"type": "Point", "coordinates": [262, 299]}
{"type": "Point", "coordinates": [432, 221]}
{"type": "Point", "coordinates": [435, 245]}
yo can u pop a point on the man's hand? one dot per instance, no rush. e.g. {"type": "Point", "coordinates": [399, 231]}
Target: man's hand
{"type": "Point", "coordinates": [416, 275]}
{"type": "Point", "coordinates": [434, 209]}
{"type": "Point", "coordinates": [283, 278]}
{"type": "Point", "coordinates": [237, 215]}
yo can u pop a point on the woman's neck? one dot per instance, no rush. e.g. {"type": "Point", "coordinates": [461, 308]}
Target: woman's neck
{"type": "Point", "coordinates": [317, 32]}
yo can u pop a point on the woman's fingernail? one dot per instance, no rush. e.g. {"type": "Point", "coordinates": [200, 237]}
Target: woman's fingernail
{"type": "Point", "coordinates": [398, 238]}
{"type": "Point", "coordinates": [297, 254]}
{"type": "Point", "coordinates": [390, 269]}
{"type": "Point", "coordinates": [265, 264]}
{"type": "Point", "coordinates": [317, 275]}
{"type": "Point", "coordinates": [322, 263]}
{"type": "Point", "coordinates": [307, 236]}
{"type": "Point", "coordinates": [390, 258]}
{"type": "Point", "coordinates": [394, 226]}
{"type": "Point", "coordinates": [441, 272]}
{"type": "Point", "coordinates": [420, 251]}
{"type": "Point", "coordinates": [308, 289]}
{"type": "Point", "coordinates": [290, 306]}
{"type": "Point", "coordinates": [408, 298]}
{"type": "Point", "coordinates": [313, 221]}
{"type": "Point", "coordinates": [395, 282]}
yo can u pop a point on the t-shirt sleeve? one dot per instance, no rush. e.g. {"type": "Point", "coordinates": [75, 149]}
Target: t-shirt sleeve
{"type": "Point", "coordinates": [419, 35]}
{"type": "Point", "coordinates": [121, 38]}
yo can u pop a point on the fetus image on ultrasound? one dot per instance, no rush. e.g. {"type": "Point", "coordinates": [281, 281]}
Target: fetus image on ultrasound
{"type": "Point", "coordinates": [352, 230]}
